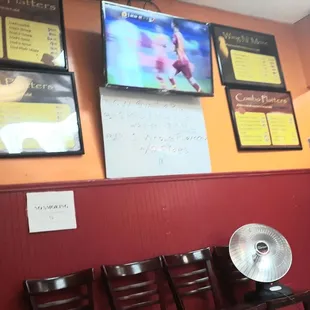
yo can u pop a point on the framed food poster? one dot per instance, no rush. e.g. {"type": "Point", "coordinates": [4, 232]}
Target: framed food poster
{"type": "Point", "coordinates": [263, 120]}
{"type": "Point", "coordinates": [39, 114]}
{"type": "Point", "coordinates": [32, 33]}
{"type": "Point", "coordinates": [247, 58]}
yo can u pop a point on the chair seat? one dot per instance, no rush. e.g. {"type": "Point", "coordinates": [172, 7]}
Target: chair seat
{"type": "Point", "coordinates": [245, 306]}
{"type": "Point", "coordinates": [298, 296]}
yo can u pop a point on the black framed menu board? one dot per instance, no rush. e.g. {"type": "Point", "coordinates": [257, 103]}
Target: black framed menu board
{"type": "Point", "coordinates": [38, 114]}
{"type": "Point", "coordinates": [32, 33]}
{"type": "Point", "coordinates": [247, 58]}
{"type": "Point", "coordinates": [263, 120]}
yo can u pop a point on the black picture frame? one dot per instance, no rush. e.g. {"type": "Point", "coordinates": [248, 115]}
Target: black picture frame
{"type": "Point", "coordinates": [271, 147]}
{"type": "Point", "coordinates": [145, 89]}
{"type": "Point", "coordinates": [77, 135]}
{"type": "Point", "coordinates": [238, 83]}
{"type": "Point", "coordinates": [6, 62]}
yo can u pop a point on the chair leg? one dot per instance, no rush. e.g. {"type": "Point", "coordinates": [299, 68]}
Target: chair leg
{"type": "Point", "coordinates": [306, 305]}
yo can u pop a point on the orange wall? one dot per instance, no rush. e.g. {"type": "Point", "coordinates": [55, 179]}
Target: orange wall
{"type": "Point", "coordinates": [82, 20]}
{"type": "Point", "coordinates": [303, 41]}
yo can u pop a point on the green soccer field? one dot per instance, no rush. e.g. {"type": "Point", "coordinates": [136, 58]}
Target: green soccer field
{"type": "Point", "coordinates": [150, 81]}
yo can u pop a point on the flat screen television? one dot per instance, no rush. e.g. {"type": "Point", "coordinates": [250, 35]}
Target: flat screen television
{"type": "Point", "coordinates": [156, 52]}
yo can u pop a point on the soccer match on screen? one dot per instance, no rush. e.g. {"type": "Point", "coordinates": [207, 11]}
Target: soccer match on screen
{"type": "Point", "coordinates": [151, 50]}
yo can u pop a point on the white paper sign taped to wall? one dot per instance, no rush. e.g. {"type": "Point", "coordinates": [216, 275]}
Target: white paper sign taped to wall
{"type": "Point", "coordinates": [51, 211]}
{"type": "Point", "coordinates": [153, 135]}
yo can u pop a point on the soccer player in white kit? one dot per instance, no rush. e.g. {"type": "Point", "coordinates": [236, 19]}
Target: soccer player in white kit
{"type": "Point", "coordinates": [160, 46]}
{"type": "Point", "coordinates": [123, 48]}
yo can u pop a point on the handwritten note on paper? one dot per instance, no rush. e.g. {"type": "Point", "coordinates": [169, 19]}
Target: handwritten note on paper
{"type": "Point", "coordinates": [50, 211]}
{"type": "Point", "coordinates": [152, 135]}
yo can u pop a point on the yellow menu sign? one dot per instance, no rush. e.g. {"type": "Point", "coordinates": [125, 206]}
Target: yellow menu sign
{"type": "Point", "coordinates": [1, 40]}
{"type": "Point", "coordinates": [263, 119]}
{"type": "Point", "coordinates": [32, 41]}
{"type": "Point", "coordinates": [38, 114]}
{"type": "Point", "coordinates": [255, 67]}
{"type": "Point", "coordinates": [247, 57]}
{"type": "Point", "coordinates": [31, 113]}
{"type": "Point", "coordinates": [253, 128]}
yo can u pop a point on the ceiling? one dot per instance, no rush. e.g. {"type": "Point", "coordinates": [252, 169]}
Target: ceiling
{"type": "Point", "coordinates": [286, 11]}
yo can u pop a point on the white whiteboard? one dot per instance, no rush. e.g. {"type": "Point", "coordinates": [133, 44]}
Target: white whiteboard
{"type": "Point", "coordinates": [153, 135]}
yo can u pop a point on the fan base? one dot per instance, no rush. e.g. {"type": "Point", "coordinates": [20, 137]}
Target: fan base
{"type": "Point", "coordinates": [267, 291]}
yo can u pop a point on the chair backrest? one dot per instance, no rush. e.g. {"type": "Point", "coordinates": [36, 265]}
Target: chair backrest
{"type": "Point", "coordinates": [81, 296]}
{"type": "Point", "coordinates": [200, 279]}
{"type": "Point", "coordinates": [134, 285]}
{"type": "Point", "coordinates": [230, 278]}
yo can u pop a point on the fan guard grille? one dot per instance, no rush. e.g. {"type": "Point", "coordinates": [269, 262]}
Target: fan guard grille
{"type": "Point", "coordinates": [260, 253]}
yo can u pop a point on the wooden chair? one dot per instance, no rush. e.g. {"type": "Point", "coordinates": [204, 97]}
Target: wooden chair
{"type": "Point", "coordinates": [200, 280]}
{"type": "Point", "coordinates": [230, 279]}
{"type": "Point", "coordinates": [303, 297]}
{"type": "Point", "coordinates": [79, 282]}
{"type": "Point", "coordinates": [134, 285]}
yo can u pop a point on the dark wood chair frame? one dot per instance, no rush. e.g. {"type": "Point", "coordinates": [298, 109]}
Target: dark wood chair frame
{"type": "Point", "coordinates": [206, 276]}
{"type": "Point", "coordinates": [228, 275]}
{"type": "Point", "coordinates": [302, 297]}
{"type": "Point", "coordinates": [112, 273]}
{"type": "Point", "coordinates": [38, 287]}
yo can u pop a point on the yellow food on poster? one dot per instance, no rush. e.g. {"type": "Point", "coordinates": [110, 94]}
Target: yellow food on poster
{"type": "Point", "coordinates": [255, 67]}
{"type": "Point", "coordinates": [283, 129]}
{"type": "Point", "coordinates": [32, 41]}
{"type": "Point", "coordinates": [1, 39]}
{"type": "Point", "coordinates": [19, 112]}
{"type": "Point", "coordinates": [253, 129]}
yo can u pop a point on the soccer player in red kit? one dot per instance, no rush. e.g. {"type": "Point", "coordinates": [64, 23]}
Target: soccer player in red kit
{"type": "Point", "coordinates": [182, 64]}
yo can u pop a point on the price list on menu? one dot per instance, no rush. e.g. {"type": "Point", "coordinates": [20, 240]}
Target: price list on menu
{"type": "Point", "coordinates": [1, 42]}
{"type": "Point", "coordinates": [17, 112]}
{"type": "Point", "coordinates": [263, 68]}
{"type": "Point", "coordinates": [263, 120]}
{"type": "Point", "coordinates": [282, 129]}
{"type": "Point", "coordinates": [253, 128]}
{"type": "Point", "coordinates": [32, 41]}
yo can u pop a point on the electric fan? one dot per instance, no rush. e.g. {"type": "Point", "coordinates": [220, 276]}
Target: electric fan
{"type": "Point", "coordinates": [261, 254]}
